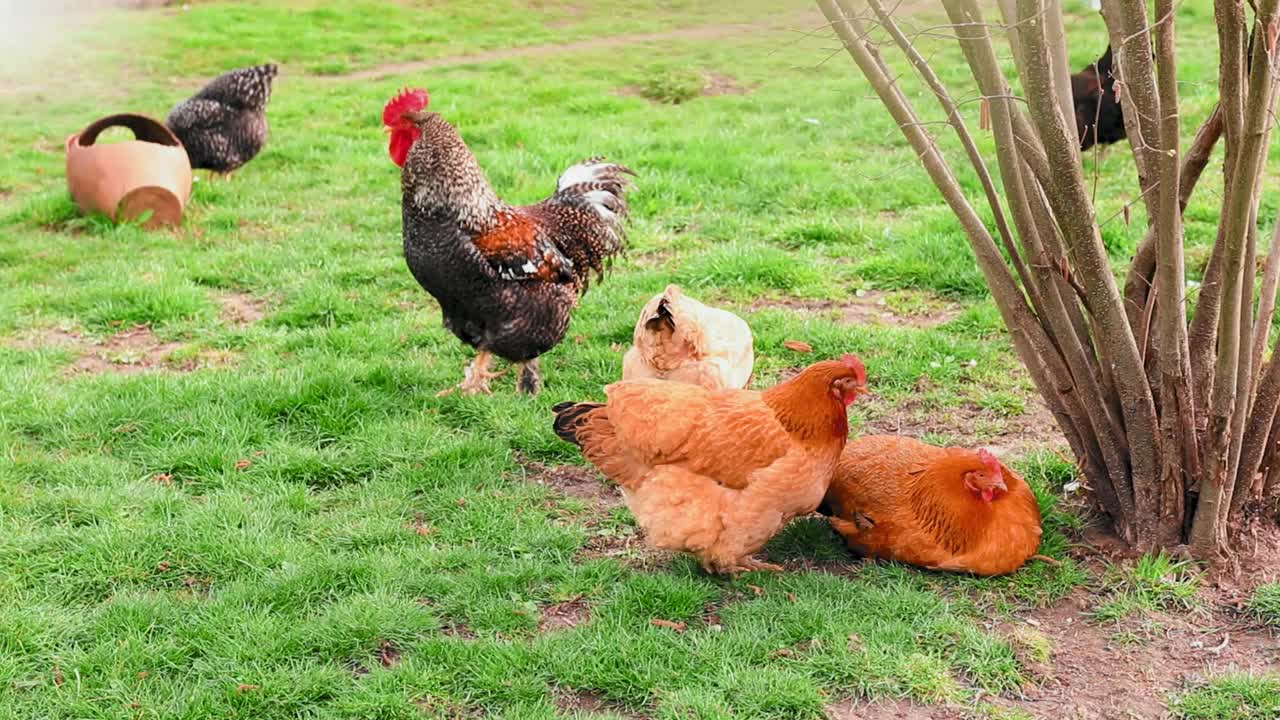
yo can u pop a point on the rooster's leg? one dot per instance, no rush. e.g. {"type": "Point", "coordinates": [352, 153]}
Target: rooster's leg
{"type": "Point", "coordinates": [476, 377]}
{"type": "Point", "coordinates": [530, 379]}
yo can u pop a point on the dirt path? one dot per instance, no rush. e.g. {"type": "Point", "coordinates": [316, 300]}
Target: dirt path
{"type": "Point", "coordinates": [799, 22]}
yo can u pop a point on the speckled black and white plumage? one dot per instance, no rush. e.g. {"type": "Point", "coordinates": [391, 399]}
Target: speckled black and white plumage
{"type": "Point", "coordinates": [225, 124]}
{"type": "Point", "coordinates": [506, 277]}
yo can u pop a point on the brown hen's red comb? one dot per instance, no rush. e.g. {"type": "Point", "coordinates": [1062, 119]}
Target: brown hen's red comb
{"type": "Point", "coordinates": [854, 363]}
{"type": "Point", "coordinates": [993, 465]}
{"type": "Point", "coordinates": [407, 101]}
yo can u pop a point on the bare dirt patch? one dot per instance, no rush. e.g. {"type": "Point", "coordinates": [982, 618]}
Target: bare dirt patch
{"type": "Point", "coordinates": [582, 703]}
{"type": "Point", "coordinates": [134, 350]}
{"type": "Point", "coordinates": [967, 424]}
{"type": "Point", "coordinates": [714, 84]}
{"type": "Point", "coordinates": [890, 710]}
{"type": "Point", "coordinates": [240, 309]}
{"type": "Point", "coordinates": [872, 307]}
{"type": "Point", "coordinates": [575, 481]}
{"type": "Point", "coordinates": [1257, 563]}
{"type": "Point", "coordinates": [564, 615]}
{"type": "Point", "coordinates": [699, 32]}
{"type": "Point", "coordinates": [129, 351]}
{"type": "Point", "coordinates": [1094, 672]}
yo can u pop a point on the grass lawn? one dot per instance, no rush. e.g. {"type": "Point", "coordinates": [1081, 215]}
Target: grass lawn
{"type": "Point", "coordinates": [228, 490]}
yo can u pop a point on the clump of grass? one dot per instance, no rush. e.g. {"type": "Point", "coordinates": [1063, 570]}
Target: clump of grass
{"type": "Point", "coordinates": [1231, 697]}
{"type": "Point", "coordinates": [1156, 582]}
{"type": "Point", "coordinates": [1266, 603]}
{"type": "Point", "coordinates": [751, 267]}
{"type": "Point", "coordinates": [672, 86]}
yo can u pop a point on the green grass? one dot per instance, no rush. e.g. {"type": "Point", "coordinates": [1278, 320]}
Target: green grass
{"type": "Point", "coordinates": [1231, 697]}
{"type": "Point", "coordinates": [1155, 582]}
{"type": "Point", "coordinates": [302, 528]}
{"type": "Point", "coordinates": [1266, 603]}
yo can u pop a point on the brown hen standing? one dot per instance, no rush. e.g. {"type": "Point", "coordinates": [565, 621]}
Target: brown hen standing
{"type": "Point", "coordinates": [717, 473]}
{"type": "Point", "coordinates": [896, 498]}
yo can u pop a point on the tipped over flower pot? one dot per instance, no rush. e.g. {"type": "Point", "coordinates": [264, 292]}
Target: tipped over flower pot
{"type": "Point", "coordinates": [125, 180]}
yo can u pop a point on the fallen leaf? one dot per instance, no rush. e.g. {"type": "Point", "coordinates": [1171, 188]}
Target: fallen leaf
{"type": "Point", "coordinates": [798, 345]}
{"type": "Point", "coordinates": [163, 479]}
{"type": "Point", "coordinates": [162, 566]}
{"type": "Point", "coordinates": [388, 655]}
{"type": "Point", "coordinates": [757, 590]}
{"type": "Point", "coordinates": [143, 674]}
{"type": "Point", "coordinates": [669, 624]}
{"type": "Point", "coordinates": [783, 652]}
{"type": "Point", "coordinates": [58, 678]}
{"type": "Point", "coordinates": [791, 597]}
{"type": "Point", "coordinates": [462, 501]}
{"type": "Point", "coordinates": [242, 464]}
{"type": "Point", "coordinates": [245, 687]}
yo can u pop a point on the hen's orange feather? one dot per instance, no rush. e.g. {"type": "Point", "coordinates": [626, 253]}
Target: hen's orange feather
{"type": "Point", "coordinates": [897, 498]}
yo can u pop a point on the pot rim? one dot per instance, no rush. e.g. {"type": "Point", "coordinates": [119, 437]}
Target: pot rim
{"type": "Point", "coordinates": [145, 129]}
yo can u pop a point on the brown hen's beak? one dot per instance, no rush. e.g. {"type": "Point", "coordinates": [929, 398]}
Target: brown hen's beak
{"type": "Point", "coordinates": [1001, 486]}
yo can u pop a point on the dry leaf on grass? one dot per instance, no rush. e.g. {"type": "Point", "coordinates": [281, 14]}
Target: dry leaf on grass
{"type": "Point", "coordinates": [799, 346]}
{"type": "Point", "coordinates": [669, 624]}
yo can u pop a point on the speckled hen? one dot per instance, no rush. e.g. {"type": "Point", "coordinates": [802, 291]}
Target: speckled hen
{"type": "Point", "coordinates": [225, 124]}
{"type": "Point", "coordinates": [506, 277]}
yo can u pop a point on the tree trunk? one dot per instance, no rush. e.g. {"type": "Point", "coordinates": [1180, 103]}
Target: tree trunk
{"type": "Point", "coordinates": [1172, 422]}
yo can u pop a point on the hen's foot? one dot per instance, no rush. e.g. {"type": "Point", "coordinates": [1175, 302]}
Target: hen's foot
{"type": "Point", "coordinates": [476, 377]}
{"type": "Point", "coordinates": [863, 522]}
{"type": "Point", "coordinates": [748, 564]}
{"type": "Point", "coordinates": [530, 380]}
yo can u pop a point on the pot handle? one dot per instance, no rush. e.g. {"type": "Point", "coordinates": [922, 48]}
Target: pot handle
{"type": "Point", "coordinates": [144, 128]}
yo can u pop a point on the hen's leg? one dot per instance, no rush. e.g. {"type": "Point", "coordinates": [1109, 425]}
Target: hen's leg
{"type": "Point", "coordinates": [530, 379]}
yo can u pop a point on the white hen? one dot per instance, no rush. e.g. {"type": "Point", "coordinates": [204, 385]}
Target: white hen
{"type": "Point", "coordinates": [678, 338]}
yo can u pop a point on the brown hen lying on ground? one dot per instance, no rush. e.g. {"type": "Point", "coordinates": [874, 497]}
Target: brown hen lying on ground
{"type": "Point", "coordinates": [896, 498]}
{"type": "Point", "coordinates": [717, 473]}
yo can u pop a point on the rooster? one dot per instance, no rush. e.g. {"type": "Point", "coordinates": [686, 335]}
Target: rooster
{"type": "Point", "coordinates": [678, 338]}
{"type": "Point", "coordinates": [897, 498]}
{"type": "Point", "coordinates": [717, 473]}
{"type": "Point", "coordinates": [225, 124]}
{"type": "Point", "coordinates": [506, 277]}
{"type": "Point", "coordinates": [1099, 118]}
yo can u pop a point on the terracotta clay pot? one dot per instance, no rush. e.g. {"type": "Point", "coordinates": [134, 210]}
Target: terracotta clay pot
{"type": "Point", "coordinates": [123, 180]}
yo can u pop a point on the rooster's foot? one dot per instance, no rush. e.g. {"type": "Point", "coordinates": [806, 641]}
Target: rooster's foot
{"type": "Point", "coordinates": [530, 380]}
{"type": "Point", "coordinates": [476, 377]}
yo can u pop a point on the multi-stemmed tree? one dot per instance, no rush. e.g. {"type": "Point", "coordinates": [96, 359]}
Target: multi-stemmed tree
{"type": "Point", "coordinates": [1168, 404]}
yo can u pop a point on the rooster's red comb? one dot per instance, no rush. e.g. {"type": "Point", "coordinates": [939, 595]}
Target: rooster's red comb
{"type": "Point", "coordinates": [854, 363]}
{"type": "Point", "coordinates": [406, 101]}
{"type": "Point", "coordinates": [989, 460]}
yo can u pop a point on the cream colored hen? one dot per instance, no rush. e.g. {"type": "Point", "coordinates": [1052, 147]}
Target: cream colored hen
{"type": "Point", "coordinates": [678, 338]}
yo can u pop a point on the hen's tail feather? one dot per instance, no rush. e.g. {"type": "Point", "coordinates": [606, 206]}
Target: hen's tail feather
{"type": "Point", "coordinates": [569, 417]}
